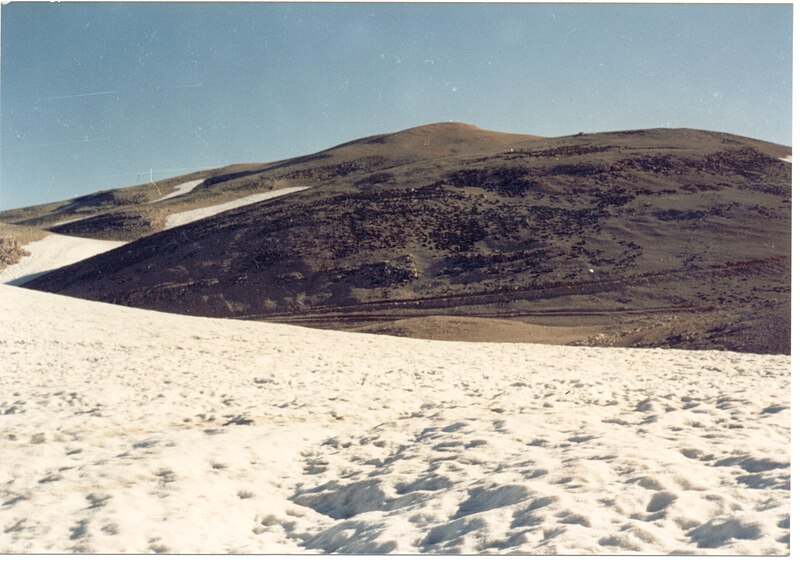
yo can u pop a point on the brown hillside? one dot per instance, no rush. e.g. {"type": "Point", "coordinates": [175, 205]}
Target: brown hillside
{"type": "Point", "coordinates": [676, 238]}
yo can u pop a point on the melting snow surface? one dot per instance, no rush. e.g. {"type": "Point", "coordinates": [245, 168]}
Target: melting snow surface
{"type": "Point", "coordinates": [181, 189]}
{"type": "Point", "coordinates": [127, 430]}
{"type": "Point", "coordinates": [51, 252]}
{"type": "Point", "coordinates": [179, 219]}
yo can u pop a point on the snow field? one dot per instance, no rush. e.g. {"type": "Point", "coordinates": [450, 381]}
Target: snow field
{"type": "Point", "coordinates": [51, 252]}
{"type": "Point", "coordinates": [184, 217]}
{"type": "Point", "coordinates": [127, 430]}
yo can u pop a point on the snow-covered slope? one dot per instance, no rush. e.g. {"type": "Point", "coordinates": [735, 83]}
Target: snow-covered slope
{"type": "Point", "coordinates": [52, 252]}
{"type": "Point", "coordinates": [181, 189]}
{"type": "Point", "coordinates": [127, 430]}
{"type": "Point", "coordinates": [185, 217]}
{"type": "Point", "coordinates": [56, 250]}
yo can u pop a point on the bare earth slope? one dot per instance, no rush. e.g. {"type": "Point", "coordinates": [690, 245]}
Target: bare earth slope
{"type": "Point", "coordinates": [670, 238]}
{"type": "Point", "coordinates": [129, 430]}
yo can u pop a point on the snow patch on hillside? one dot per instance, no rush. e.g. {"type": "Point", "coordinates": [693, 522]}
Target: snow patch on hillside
{"type": "Point", "coordinates": [787, 159]}
{"type": "Point", "coordinates": [181, 189]}
{"type": "Point", "coordinates": [68, 221]}
{"type": "Point", "coordinates": [185, 217]}
{"type": "Point", "coordinates": [51, 252]}
{"type": "Point", "coordinates": [128, 430]}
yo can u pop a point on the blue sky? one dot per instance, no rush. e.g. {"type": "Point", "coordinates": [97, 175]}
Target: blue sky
{"type": "Point", "coordinates": [95, 95]}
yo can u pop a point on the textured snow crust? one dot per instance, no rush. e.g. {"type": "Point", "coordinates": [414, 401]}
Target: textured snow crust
{"type": "Point", "coordinates": [126, 430]}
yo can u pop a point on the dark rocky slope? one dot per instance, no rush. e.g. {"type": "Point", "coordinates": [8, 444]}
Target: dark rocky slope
{"type": "Point", "coordinates": [677, 238]}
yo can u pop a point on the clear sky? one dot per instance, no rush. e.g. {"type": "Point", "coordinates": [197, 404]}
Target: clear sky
{"type": "Point", "coordinates": [95, 95]}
